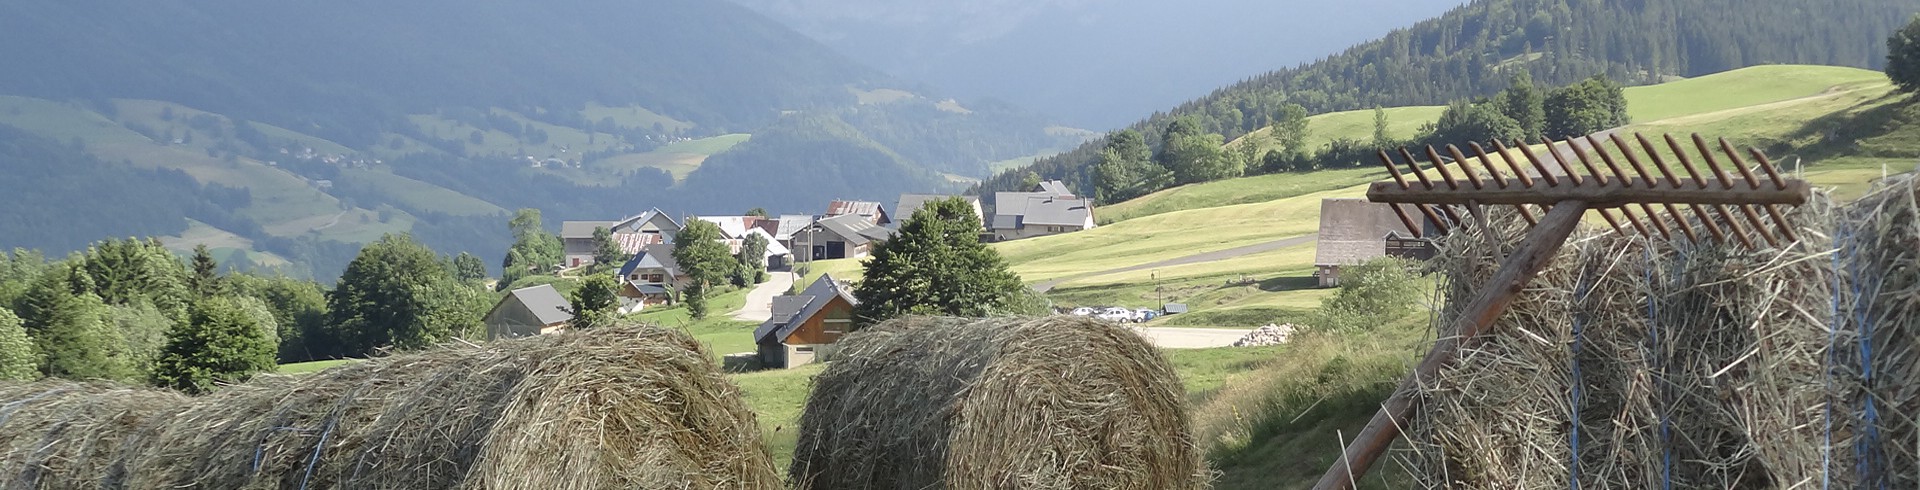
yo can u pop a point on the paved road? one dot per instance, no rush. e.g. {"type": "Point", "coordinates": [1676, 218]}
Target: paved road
{"type": "Point", "coordinates": [1191, 338]}
{"type": "Point", "coordinates": [1047, 285]}
{"type": "Point", "coordinates": [759, 305]}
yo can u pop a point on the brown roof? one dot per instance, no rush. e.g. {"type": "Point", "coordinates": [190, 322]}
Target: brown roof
{"type": "Point", "coordinates": [869, 209]}
{"type": "Point", "coordinates": [1354, 231]}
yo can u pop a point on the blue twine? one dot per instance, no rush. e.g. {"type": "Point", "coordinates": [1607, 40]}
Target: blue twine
{"type": "Point", "coordinates": [1654, 353]}
{"type": "Point", "coordinates": [1581, 290]}
{"type": "Point", "coordinates": [1836, 322]}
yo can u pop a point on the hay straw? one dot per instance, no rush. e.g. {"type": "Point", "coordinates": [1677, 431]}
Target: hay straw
{"type": "Point", "coordinates": [1056, 402]}
{"type": "Point", "coordinates": [606, 408]}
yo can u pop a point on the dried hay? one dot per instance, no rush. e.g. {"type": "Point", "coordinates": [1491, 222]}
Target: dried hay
{"type": "Point", "coordinates": [1632, 363]}
{"type": "Point", "coordinates": [1053, 402]}
{"type": "Point", "coordinates": [606, 408]}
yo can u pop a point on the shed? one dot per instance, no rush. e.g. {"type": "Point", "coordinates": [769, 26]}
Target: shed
{"type": "Point", "coordinates": [1353, 231]}
{"type": "Point", "coordinates": [802, 323]}
{"type": "Point", "coordinates": [528, 311]}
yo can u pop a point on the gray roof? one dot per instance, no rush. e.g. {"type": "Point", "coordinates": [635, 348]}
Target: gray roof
{"type": "Point", "coordinates": [672, 225]}
{"type": "Point", "coordinates": [1354, 231]}
{"type": "Point", "coordinates": [1006, 222]}
{"type": "Point", "coordinates": [658, 255]}
{"type": "Point", "coordinates": [790, 224]}
{"type": "Point", "coordinates": [790, 311]}
{"type": "Point", "coordinates": [1013, 203]}
{"type": "Point", "coordinates": [1056, 188]}
{"type": "Point", "coordinates": [545, 302]}
{"type": "Point", "coordinates": [583, 229]}
{"type": "Point", "coordinates": [1055, 211]}
{"type": "Point", "coordinates": [855, 229]}
{"type": "Point", "coordinates": [913, 202]}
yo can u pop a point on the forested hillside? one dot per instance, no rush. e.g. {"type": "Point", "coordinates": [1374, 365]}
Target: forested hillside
{"type": "Point", "coordinates": [318, 126]}
{"type": "Point", "coordinates": [1471, 51]}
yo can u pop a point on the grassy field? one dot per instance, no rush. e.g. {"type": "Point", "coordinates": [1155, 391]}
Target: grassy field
{"type": "Point", "coordinates": [1255, 189]}
{"type": "Point", "coordinates": [1402, 123]}
{"type": "Point", "coordinates": [220, 242]}
{"type": "Point", "coordinates": [633, 117]}
{"type": "Point", "coordinates": [420, 195]}
{"type": "Point", "coordinates": [312, 366]}
{"type": "Point", "coordinates": [678, 158]}
{"type": "Point", "coordinates": [1744, 87]}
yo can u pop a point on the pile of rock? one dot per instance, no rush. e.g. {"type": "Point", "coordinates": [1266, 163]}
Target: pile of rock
{"type": "Point", "coordinates": [1267, 335]}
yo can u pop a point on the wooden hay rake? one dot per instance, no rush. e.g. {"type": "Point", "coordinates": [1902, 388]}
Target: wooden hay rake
{"type": "Point", "coordinates": [1724, 208]}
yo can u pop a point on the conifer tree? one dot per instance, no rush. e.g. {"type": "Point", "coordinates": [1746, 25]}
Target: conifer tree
{"type": "Point", "coordinates": [221, 342]}
{"type": "Point", "coordinates": [19, 359]}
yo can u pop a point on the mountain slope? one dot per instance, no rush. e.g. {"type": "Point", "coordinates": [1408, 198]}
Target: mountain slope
{"type": "Point", "coordinates": [1470, 51]}
{"type": "Point", "coordinates": [346, 120]}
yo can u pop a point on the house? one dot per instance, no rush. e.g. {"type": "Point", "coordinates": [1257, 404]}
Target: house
{"type": "Point", "coordinates": [801, 323]}
{"type": "Point", "coordinates": [1019, 215]}
{"type": "Point", "coordinates": [1353, 231]}
{"type": "Point", "coordinates": [649, 279]}
{"type": "Point", "coordinates": [913, 202]}
{"type": "Point", "coordinates": [787, 226]}
{"type": "Point", "coordinates": [530, 311]}
{"type": "Point", "coordinates": [839, 237]}
{"type": "Point", "coordinates": [632, 234]}
{"type": "Point", "coordinates": [870, 210]}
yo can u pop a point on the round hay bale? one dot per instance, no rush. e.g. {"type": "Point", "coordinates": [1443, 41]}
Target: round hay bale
{"type": "Point", "coordinates": [1055, 402]}
{"type": "Point", "coordinates": [58, 434]}
{"type": "Point", "coordinates": [605, 408]}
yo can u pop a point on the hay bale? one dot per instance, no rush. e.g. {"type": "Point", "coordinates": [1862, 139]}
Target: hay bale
{"type": "Point", "coordinates": [606, 408]}
{"type": "Point", "coordinates": [1054, 402]}
{"type": "Point", "coordinates": [58, 433]}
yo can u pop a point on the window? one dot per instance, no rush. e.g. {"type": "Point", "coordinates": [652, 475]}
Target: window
{"type": "Point", "coordinates": [805, 348]}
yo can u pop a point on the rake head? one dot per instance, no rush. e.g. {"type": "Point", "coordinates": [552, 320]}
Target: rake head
{"type": "Point", "coordinates": [1719, 206]}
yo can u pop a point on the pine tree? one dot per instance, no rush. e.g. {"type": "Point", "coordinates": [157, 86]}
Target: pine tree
{"type": "Point", "coordinates": [19, 359]}
{"type": "Point", "coordinates": [205, 280]}
{"type": "Point", "coordinates": [1903, 57]}
{"type": "Point", "coordinates": [1381, 139]}
{"type": "Point", "coordinates": [72, 330]}
{"type": "Point", "coordinates": [937, 265]}
{"type": "Point", "coordinates": [220, 343]}
{"type": "Point", "coordinates": [595, 304]}
{"type": "Point", "coordinates": [1522, 103]}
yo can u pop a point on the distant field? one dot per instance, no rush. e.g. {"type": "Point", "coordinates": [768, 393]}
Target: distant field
{"type": "Point", "coordinates": [1402, 123]}
{"type": "Point", "coordinates": [1742, 88]}
{"type": "Point", "coordinates": [679, 158]}
{"type": "Point", "coordinates": [706, 146]}
{"type": "Point", "coordinates": [220, 242]}
{"type": "Point", "coordinates": [421, 195]}
{"type": "Point", "coordinates": [632, 117]}
{"type": "Point", "coordinates": [1260, 188]}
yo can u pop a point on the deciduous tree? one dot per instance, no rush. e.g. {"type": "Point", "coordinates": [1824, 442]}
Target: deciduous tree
{"type": "Point", "coordinates": [387, 296]}
{"type": "Point", "coordinates": [595, 303]}
{"type": "Point", "coordinates": [467, 267]}
{"type": "Point", "coordinates": [19, 359]}
{"type": "Point", "coordinates": [937, 265]}
{"type": "Point", "coordinates": [606, 252]}
{"type": "Point", "coordinates": [705, 259]}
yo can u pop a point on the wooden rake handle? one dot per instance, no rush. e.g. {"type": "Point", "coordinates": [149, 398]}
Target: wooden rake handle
{"type": "Point", "coordinates": [1538, 249]}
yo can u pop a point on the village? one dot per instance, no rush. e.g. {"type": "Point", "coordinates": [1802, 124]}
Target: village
{"type": "Point", "coordinates": [798, 321]}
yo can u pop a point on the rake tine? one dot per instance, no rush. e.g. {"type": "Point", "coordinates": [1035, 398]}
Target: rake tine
{"type": "Point", "coordinates": [1773, 173]}
{"type": "Point", "coordinates": [1627, 213]}
{"type": "Point", "coordinates": [1512, 164]}
{"type": "Point", "coordinates": [1517, 173]}
{"type": "Point", "coordinates": [1415, 165]}
{"type": "Point", "coordinates": [1545, 173]}
{"type": "Point", "coordinates": [1746, 173]}
{"type": "Point", "coordinates": [1652, 217]}
{"type": "Point", "coordinates": [1467, 164]}
{"type": "Point", "coordinates": [1442, 167]}
{"type": "Point", "coordinates": [1465, 169]}
{"type": "Point", "coordinates": [1393, 168]}
{"type": "Point", "coordinates": [1762, 158]}
{"type": "Point", "coordinates": [1407, 220]}
{"type": "Point", "coordinates": [1585, 162]}
{"type": "Point", "coordinates": [1745, 211]}
{"type": "Point", "coordinates": [1658, 163]}
{"type": "Point", "coordinates": [1672, 212]}
{"type": "Point", "coordinates": [1439, 225]}
{"type": "Point", "coordinates": [1493, 173]}
{"type": "Point", "coordinates": [1573, 176]}
{"type": "Point", "coordinates": [1554, 155]}
{"type": "Point", "coordinates": [1687, 163]}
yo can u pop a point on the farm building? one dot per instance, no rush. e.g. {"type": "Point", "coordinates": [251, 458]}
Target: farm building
{"type": "Point", "coordinates": [632, 234]}
{"type": "Point", "coordinates": [846, 236]}
{"type": "Point", "coordinates": [1353, 231]}
{"type": "Point", "coordinates": [913, 202]}
{"type": "Point", "coordinates": [1051, 209]}
{"type": "Point", "coordinates": [527, 312]}
{"type": "Point", "coordinates": [649, 278]}
{"type": "Point", "coordinates": [801, 323]}
{"type": "Point", "coordinates": [873, 212]}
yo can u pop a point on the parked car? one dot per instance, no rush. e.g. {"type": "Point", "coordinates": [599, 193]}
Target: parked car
{"type": "Point", "coordinates": [1116, 315]}
{"type": "Point", "coordinates": [1082, 311]}
{"type": "Point", "coordinates": [1145, 314]}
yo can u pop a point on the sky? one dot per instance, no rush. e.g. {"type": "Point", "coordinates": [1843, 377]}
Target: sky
{"type": "Point", "coordinates": [1093, 64]}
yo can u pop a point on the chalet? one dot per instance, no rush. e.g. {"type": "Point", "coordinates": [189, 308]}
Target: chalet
{"type": "Point", "coordinates": [839, 237]}
{"type": "Point", "coordinates": [524, 312]}
{"type": "Point", "coordinates": [787, 226]}
{"type": "Point", "coordinates": [801, 323]}
{"type": "Point", "coordinates": [870, 210]}
{"type": "Point", "coordinates": [913, 202]}
{"type": "Point", "coordinates": [1019, 215]}
{"type": "Point", "coordinates": [1353, 231]}
{"type": "Point", "coordinates": [632, 234]}
{"type": "Point", "coordinates": [650, 278]}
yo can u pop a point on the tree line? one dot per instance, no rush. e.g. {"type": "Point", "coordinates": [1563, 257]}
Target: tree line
{"type": "Point", "coordinates": [1128, 167]}
{"type": "Point", "coordinates": [1469, 52]}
